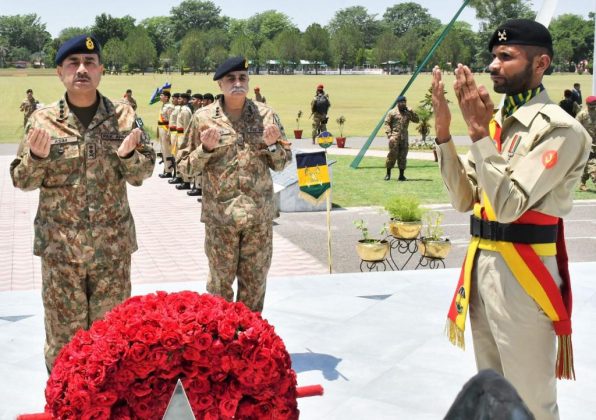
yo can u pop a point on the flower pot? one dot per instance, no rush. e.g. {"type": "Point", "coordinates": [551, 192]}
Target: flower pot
{"type": "Point", "coordinates": [434, 248]}
{"type": "Point", "coordinates": [297, 134]}
{"type": "Point", "coordinates": [404, 230]}
{"type": "Point", "coordinates": [341, 142]}
{"type": "Point", "coordinates": [372, 250]}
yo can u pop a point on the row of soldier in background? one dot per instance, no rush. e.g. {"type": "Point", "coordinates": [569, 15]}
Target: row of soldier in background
{"type": "Point", "coordinates": [172, 124]}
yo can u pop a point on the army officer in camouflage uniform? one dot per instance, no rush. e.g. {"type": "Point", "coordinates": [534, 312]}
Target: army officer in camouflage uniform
{"type": "Point", "coordinates": [587, 118]}
{"type": "Point", "coordinates": [80, 152]}
{"type": "Point", "coordinates": [236, 141]}
{"type": "Point", "coordinates": [396, 127]}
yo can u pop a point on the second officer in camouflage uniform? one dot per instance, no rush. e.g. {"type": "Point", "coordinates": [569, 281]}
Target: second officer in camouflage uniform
{"type": "Point", "coordinates": [235, 143]}
{"type": "Point", "coordinates": [80, 152]}
{"type": "Point", "coordinates": [587, 118]}
{"type": "Point", "coordinates": [396, 127]}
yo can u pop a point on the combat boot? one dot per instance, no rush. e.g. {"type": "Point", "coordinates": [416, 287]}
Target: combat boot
{"type": "Point", "coordinates": [401, 175]}
{"type": "Point", "coordinates": [183, 186]}
{"type": "Point", "coordinates": [165, 175]}
{"type": "Point", "coordinates": [388, 176]}
{"type": "Point", "coordinates": [176, 180]}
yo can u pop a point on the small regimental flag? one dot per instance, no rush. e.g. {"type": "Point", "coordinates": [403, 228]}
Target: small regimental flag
{"type": "Point", "coordinates": [313, 176]}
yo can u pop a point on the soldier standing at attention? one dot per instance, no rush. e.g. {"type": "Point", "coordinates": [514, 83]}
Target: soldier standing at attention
{"type": "Point", "coordinates": [163, 131]}
{"type": "Point", "coordinates": [174, 133]}
{"type": "Point", "coordinates": [396, 127]}
{"type": "Point", "coordinates": [236, 141]}
{"type": "Point", "coordinates": [258, 96]}
{"type": "Point", "coordinates": [587, 118]}
{"type": "Point", "coordinates": [131, 101]}
{"type": "Point", "coordinates": [518, 180]}
{"type": "Point", "coordinates": [28, 105]}
{"type": "Point", "coordinates": [319, 107]}
{"type": "Point", "coordinates": [182, 124]}
{"type": "Point", "coordinates": [80, 152]}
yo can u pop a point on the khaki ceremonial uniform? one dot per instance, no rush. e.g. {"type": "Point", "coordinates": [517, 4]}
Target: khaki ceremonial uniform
{"type": "Point", "coordinates": [163, 130]}
{"type": "Point", "coordinates": [396, 128]}
{"type": "Point", "coordinates": [237, 206]}
{"type": "Point", "coordinates": [543, 154]}
{"type": "Point", "coordinates": [174, 132]}
{"type": "Point", "coordinates": [84, 230]}
{"type": "Point", "coordinates": [182, 125]}
{"type": "Point", "coordinates": [589, 122]}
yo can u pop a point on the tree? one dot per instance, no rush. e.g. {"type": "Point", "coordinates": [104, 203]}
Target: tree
{"type": "Point", "coordinates": [289, 47]}
{"type": "Point", "coordinates": [573, 39]}
{"type": "Point", "coordinates": [316, 45]}
{"type": "Point", "coordinates": [192, 51]}
{"type": "Point", "coordinates": [403, 17]}
{"type": "Point", "coordinates": [345, 43]}
{"type": "Point", "coordinates": [412, 43]}
{"type": "Point", "coordinates": [195, 14]}
{"type": "Point", "coordinates": [107, 27]}
{"type": "Point", "coordinates": [161, 32]}
{"type": "Point", "coordinates": [387, 49]}
{"type": "Point", "coordinates": [358, 20]}
{"type": "Point", "coordinates": [457, 47]}
{"type": "Point", "coordinates": [141, 52]}
{"type": "Point", "coordinates": [265, 26]}
{"type": "Point", "coordinates": [25, 32]}
{"type": "Point", "coordinates": [114, 54]}
{"type": "Point", "coordinates": [242, 45]}
{"type": "Point", "coordinates": [494, 12]}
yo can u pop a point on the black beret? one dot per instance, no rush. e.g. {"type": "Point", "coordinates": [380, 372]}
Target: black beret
{"type": "Point", "coordinates": [208, 96]}
{"type": "Point", "coordinates": [401, 98]}
{"type": "Point", "coordinates": [185, 96]}
{"type": "Point", "coordinates": [82, 44]}
{"type": "Point", "coordinates": [231, 64]}
{"type": "Point", "coordinates": [197, 96]}
{"type": "Point", "coordinates": [522, 32]}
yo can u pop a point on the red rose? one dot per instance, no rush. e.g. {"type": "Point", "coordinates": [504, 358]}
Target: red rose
{"type": "Point", "coordinates": [138, 352]}
{"type": "Point", "coordinates": [96, 413]}
{"type": "Point", "coordinates": [227, 407]}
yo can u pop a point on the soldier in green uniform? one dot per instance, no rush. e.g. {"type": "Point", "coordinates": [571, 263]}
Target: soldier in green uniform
{"type": "Point", "coordinates": [518, 180]}
{"type": "Point", "coordinates": [235, 142]}
{"type": "Point", "coordinates": [28, 105]}
{"type": "Point", "coordinates": [396, 126]}
{"type": "Point", "coordinates": [80, 152]}
{"type": "Point", "coordinates": [587, 118]}
{"type": "Point", "coordinates": [319, 107]}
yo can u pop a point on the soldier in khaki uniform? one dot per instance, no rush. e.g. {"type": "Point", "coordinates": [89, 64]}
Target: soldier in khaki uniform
{"type": "Point", "coordinates": [235, 142]}
{"type": "Point", "coordinates": [182, 124]}
{"type": "Point", "coordinates": [28, 105]}
{"type": "Point", "coordinates": [174, 134]}
{"type": "Point", "coordinates": [587, 118]}
{"type": "Point", "coordinates": [396, 126]}
{"type": "Point", "coordinates": [80, 152]}
{"type": "Point", "coordinates": [519, 184]}
{"type": "Point", "coordinates": [163, 131]}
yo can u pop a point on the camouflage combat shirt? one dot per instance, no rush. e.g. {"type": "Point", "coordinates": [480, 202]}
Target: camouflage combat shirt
{"type": "Point", "coordinates": [83, 211]}
{"type": "Point", "coordinates": [396, 123]}
{"type": "Point", "coordinates": [237, 184]}
{"type": "Point", "coordinates": [589, 123]}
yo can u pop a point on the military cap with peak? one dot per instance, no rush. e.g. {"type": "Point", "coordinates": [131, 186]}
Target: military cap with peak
{"type": "Point", "coordinates": [230, 65]}
{"type": "Point", "coordinates": [522, 32]}
{"type": "Point", "coordinates": [82, 44]}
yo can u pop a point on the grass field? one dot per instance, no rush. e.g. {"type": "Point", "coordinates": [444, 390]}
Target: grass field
{"type": "Point", "coordinates": [361, 99]}
{"type": "Point", "coordinates": [367, 188]}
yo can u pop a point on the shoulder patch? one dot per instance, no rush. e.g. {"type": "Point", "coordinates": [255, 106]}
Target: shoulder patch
{"type": "Point", "coordinates": [550, 158]}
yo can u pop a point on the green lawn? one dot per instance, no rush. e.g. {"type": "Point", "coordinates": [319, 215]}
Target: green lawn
{"type": "Point", "coordinates": [361, 99]}
{"type": "Point", "coordinates": [365, 186]}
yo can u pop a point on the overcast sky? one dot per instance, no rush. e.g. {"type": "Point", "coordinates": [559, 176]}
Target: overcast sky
{"type": "Point", "coordinates": [58, 14]}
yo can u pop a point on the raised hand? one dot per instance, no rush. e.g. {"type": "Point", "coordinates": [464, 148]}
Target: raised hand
{"type": "Point", "coordinates": [210, 138]}
{"type": "Point", "coordinates": [39, 142]}
{"type": "Point", "coordinates": [474, 102]}
{"type": "Point", "coordinates": [271, 134]}
{"type": "Point", "coordinates": [129, 143]}
{"type": "Point", "coordinates": [440, 107]}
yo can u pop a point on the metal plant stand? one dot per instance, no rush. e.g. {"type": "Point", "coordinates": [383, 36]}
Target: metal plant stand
{"type": "Point", "coordinates": [403, 247]}
{"type": "Point", "coordinates": [374, 265]}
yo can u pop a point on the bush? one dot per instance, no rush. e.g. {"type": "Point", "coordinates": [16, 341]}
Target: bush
{"type": "Point", "coordinates": [405, 208]}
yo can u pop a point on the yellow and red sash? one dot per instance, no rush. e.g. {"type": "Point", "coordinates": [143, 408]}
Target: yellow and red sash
{"type": "Point", "coordinates": [524, 262]}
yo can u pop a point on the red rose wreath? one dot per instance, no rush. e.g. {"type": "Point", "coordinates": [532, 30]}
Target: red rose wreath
{"type": "Point", "coordinates": [230, 360]}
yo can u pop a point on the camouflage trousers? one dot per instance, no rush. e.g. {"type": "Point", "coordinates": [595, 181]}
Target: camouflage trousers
{"type": "Point", "coordinates": [166, 149]}
{"type": "Point", "coordinates": [318, 126]}
{"type": "Point", "coordinates": [243, 253]}
{"type": "Point", "coordinates": [398, 151]}
{"type": "Point", "coordinates": [589, 171]}
{"type": "Point", "coordinates": [76, 294]}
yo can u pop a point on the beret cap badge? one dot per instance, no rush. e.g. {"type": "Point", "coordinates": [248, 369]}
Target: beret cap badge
{"type": "Point", "coordinates": [89, 44]}
{"type": "Point", "coordinates": [503, 35]}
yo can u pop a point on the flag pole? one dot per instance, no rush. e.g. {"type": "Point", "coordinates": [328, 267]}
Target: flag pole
{"type": "Point", "coordinates": [438, 42]}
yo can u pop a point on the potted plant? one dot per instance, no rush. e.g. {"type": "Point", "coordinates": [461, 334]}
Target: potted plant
{"type": "Point", "coordinates": [298, 131]}
{"type": "Point", "coordinates": [432, 244]}
{"type": "Point", "coordinates": [406, 216]}
{"type": "Point", "coordinates": [341, 140]}
{"type": "Point", "coordinates": [370, 249]}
